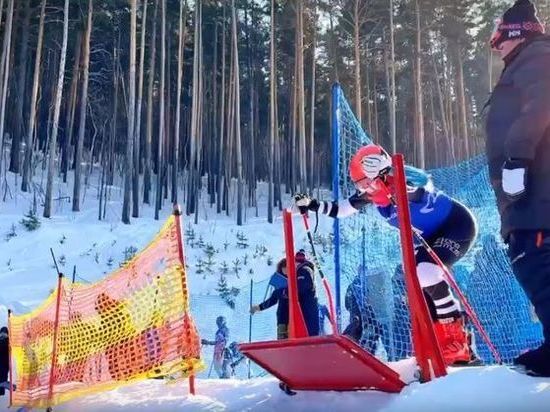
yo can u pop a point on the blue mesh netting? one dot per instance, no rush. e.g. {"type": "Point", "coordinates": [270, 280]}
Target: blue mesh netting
{"type": "Point", "coordinates": [370, 259]}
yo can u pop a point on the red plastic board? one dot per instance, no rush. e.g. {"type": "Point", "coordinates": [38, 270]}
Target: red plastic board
{"type": "Point", "coordinates": [323, 363]}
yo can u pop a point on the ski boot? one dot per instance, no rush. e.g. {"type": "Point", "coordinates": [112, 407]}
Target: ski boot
{"type": "Point", "coordinates": [453, 339]}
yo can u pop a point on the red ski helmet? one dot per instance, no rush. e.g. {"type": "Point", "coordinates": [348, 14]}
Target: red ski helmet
{"type": "Point", "coordinates": [368, 163]}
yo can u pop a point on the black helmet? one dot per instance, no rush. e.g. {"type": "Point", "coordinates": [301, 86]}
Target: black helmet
{"type": "Point", "coordinates": [220, 321]}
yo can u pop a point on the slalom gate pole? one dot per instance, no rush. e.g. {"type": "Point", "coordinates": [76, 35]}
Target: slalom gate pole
{"type": "Point", "coordinates": [54, 344]}
{"type": "Point", "coordinates": [335, 125]}
{"type": "Point", "coordinates": [250, 322]}
{"type": "Point", "coordinates": [296, 323]}
{"type": "Point", "coordinates": [469, 310]}
{"type": "Point", "coordinates": [323, 278]}
{"type": "Point", "coordinates": [9, 357]}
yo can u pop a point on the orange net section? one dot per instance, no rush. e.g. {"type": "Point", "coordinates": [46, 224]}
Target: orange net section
{"type": "Point", "coordinates": [132, 325]}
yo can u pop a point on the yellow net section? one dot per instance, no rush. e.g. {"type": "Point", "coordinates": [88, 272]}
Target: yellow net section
{"type": "Point", "coordinates": [132, 325]}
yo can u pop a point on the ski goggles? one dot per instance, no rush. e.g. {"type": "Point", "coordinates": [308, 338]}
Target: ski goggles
{"type": "Point", "coordinates": [496, 36]}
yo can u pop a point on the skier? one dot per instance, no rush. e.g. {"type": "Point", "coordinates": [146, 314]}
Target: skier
{"type": "Point", "coordinates": [306, 296]}
{"type": "Point", "coordinates": [447, 225]}
{"type": "Point", "coordinates": [518, 152]}
{"type": "Point", "coordinates": [219, 343]}
{"type": "Point", "coordinates": [4, 359]}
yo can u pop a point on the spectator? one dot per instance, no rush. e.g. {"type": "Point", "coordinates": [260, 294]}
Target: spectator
{"type": "Point", "coordinates": [306, 296]}
{"type": "Point", "coordinates": [518, 151]}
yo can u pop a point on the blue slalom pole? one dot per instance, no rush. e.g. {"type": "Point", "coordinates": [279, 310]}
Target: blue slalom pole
{"type": "Point", "coordinates": [336, 92]}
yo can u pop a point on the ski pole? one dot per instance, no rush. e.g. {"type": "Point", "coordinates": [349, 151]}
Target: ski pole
{"type": "Point", "coordinates": [323, 278]}
{"type": "Point", "coordinates": [55, 261]}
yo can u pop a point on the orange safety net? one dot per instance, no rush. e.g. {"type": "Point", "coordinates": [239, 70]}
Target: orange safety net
{"type": "Point", "coordinates": [134, 324]}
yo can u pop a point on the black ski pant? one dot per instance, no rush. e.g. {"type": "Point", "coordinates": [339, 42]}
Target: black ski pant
{"type": "Point", "coordinates": [529, 252]}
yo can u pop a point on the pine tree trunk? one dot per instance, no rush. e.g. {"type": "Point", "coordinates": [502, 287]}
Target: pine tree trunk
{"type": "Point", "coordinates": [15, 162]}
{"type": "Point", "coordinates": [462, 110]}
{"type": "Point", "coordinates": [301, 100]}
{"type": "Point", "coordinates": [357, 71]}
{"type": "Point", "coordinates": [71, 108]}
{"type": "Point", "coordinates": [5, 64]}
{"type": "Point", "coordinates": [114, 124]}
{"type": "Point", "coordinates": [83, 107]}
{"type": "Point", "coordinates": [137, 126]}
{"type": "Point", "coordinates": [393, 99]}
{"type": "Point", "coordinates": [368, 125]}
{"type": "Point", "coordinates": [312, 102]}
{"type": "Point", "coordinates": [139, 103]}
{"type": "Point", "coordinates": [194, 168]}
{"type": "Point", "coordinates": [181, 45]}
{"type": "Point", "coordinates": [272, 106]}
{"type": "Point", "coordinates": [220, 181]}
{"type": "Point", "coordinates": [34, 98]}
{"type": "Point", "coordinates": [237, 104]}
{"type": "Point", "coordinates": [149, 131]}
{"type": "Point", "coordinates": [419, 109]}
{"type": "Point", "coordinates": [167, 112]}
{"type": "Point", "coordinates": [441, 103]}
{"type": "Point", "coordinates": [162, 119]}
{"type": "Point", "coordinates": [57, 108]}
{"type": "Point", "coordinates": [213, 176]}
{"type": "Point", "coordinates": [129, 163]}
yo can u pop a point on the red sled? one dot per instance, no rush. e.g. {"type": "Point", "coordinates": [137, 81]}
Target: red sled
{"type": "Point", "coordinates": [323, 363]}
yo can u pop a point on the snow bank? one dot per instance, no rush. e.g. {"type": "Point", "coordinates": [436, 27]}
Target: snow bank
{"type": "Point", "coordinates": [465, 390]}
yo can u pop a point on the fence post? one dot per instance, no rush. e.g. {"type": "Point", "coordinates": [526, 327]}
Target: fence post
{"type": "Point", "coordinates": [427, 351]}
{"type": "Point", "coordinates": [55, 332]}
{"type": "Point", "coordinates": [177, 216]}
{"type": "Point", "coordinates": [9, 355]}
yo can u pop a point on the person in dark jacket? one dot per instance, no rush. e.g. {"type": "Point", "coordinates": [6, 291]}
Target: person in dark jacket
{"type": "Point", "coordinates": [4, 359]}
{"type": "Point", "coordinates": [518, 152]}
{"type": "Point", "coordinates": [306, 296]}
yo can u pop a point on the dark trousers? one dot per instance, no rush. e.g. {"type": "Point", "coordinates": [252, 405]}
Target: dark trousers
{"type": "Point", "coordinates": [529, 252]}
{"type": "Point", "coordinates": [3, 378]}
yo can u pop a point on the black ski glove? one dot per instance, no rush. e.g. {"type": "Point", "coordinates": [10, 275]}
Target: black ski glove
{"type": "Point", "coordinates": [305, 203]}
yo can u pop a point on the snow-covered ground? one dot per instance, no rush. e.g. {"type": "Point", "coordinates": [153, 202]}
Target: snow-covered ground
{"type": "Point", "coordinates": [96, 248]}
{"type": "Point", "coordinates": [465, 390]}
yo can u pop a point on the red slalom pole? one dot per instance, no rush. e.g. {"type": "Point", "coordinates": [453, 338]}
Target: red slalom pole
{"type": "Point", "coordinates": [326, 285]}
